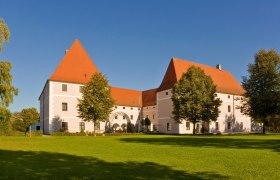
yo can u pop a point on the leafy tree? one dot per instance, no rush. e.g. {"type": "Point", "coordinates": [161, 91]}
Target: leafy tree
{"type": "Point", "coordinates": [7, 91]}
{"type": "Point", "coordinates": [5, 120]}
{"type": "Point", "coordinates": [97, 102]}
{"type": "Point", "coordinates": [194, 98]}
{"type": "Point", "coordinates": [262, 86]}
{"type": "Point", "coordinates": [29, 117]}
{"type": "Point", "coordinates": [4, 33]}
{"type": "Point", "coordinates": [17, 122]}
{"type": "Point", "coordinates": [146, 122]}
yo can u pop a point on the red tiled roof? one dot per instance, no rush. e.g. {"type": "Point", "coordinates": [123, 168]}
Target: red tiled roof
{"type": "Point", "coordinates": [149, 97]}
{"type": "Point", "coordinates": [76, 66]}
{"type": "Point", "coordinates": [224, 81]}
{"type": "Point", "coordinates": [126, 97]}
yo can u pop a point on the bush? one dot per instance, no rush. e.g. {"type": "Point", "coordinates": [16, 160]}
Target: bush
{"type": "Point", "coordinates": [35, 133]}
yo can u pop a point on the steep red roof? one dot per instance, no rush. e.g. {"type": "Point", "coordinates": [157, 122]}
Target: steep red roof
{"type": "Point", "coordinates": [76, 66]}
{"type": "Point", "coordinates": [224, 81]}
{"type": "Point", "coordinates": [149, 97]}
{"type": "Point", "coordinates": [126, 97]}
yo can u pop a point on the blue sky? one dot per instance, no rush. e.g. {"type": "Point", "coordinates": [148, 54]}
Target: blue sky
{"type": "Point", "coordinates": [132, 41]}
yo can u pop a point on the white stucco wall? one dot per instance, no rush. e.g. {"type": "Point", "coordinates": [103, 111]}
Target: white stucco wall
{"type": "Point", "coordinates": [165, 106]}
{"type": "Point", "coordinates": [53, 107]}
{"type": "Point", "coordinates": [44, 109]}
{"type": "Point", "coordinates": [151, 113]}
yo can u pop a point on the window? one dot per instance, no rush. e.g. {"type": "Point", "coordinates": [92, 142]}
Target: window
{"type": "Point", "coordinates": [131, 116]}
{"type": "Point", "coordinates": [168, 126]}
{"type": "Point", "coordinates": [123, 117]}
{"type": "Point", "coordinates": [154, 107]}
{"type": "Point", "coordinates": [215, 95]}
{"type": "Point", "coordinates": [241, 125]}
{"type": "Point", "coordinates": [64, 107]}
{"type": "Point", "coordinates": [166, 93]}
{"type": "Point", "coordinates": [82, 126]}
{"type": "Point", "coordinates": [64, 87]}
{"type": "Point", "coordinates": [241, 110]}
{"type": "Point", "coordinates": [81, 89]}
{"type": "Point", "coordinates": [123, 107]}
{"type": "Point", "coordinates": [116, 107]}
{"type": "Point", "coordinates": [229, 108]}
{"type": "Point", "coordinates": [217, 125]}
{"type": "Point", "coordinates": [153, 116]}
{"type": "Point", "coordinates": [147, 107]}
{"type": "Point", "coordinates": [64, 126]}
{"type": "Point", "coordinates": [131, 108]}
{"type": "Point", "coordinates": [138, 108]}
{"type": "Point", "coordinates": [229, 125]}
{"type": "Point", "coordinates": [228, 96]}
{"type": "Point", "coordinates": [116, 117]}
{"type": "Point", "coordinates": [188, 125]}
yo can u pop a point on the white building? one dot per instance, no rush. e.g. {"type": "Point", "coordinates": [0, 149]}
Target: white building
{"type": "Point", "coordinates": [58, 100]}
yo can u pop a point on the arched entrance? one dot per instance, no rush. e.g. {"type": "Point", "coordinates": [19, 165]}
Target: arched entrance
{"type": "Point", "coordinates": [118, 121]}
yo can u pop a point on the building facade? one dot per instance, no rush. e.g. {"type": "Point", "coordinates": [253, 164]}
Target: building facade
{"type": "Point", "coordinates": [59, 99]}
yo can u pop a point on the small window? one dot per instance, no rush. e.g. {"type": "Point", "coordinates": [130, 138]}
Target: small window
{"type": "Point", "coordinates": [147, 107]}
{"type": "Point", "coordinates": [82, 126]}
{"type": "Point", "coordinates": [64, 87]}
{"type": "Point", "coordinates": [123, 107]}
{"type": "Point", "coordinates": [81, 89]}
{"type": "Point", "coordinates": [131, 116]}
{"type": "Point", "coordinates": [241, 109]}
{"type": "Point", "coordinates": [64, 107]}
{"type": "Point", "coordinates": [131, 108]}
{"type": "Point", "coordinates": [154, 107]}
{"type": "Point", "coordinates": [166, 93]}
{"type": "Point", "coordinates": [188, 125]}
{"type": "Point", "coordinates": [116, 117]}
{"type": "Point", "coordinates": [64, 126]}
{"type": "Point", "coordinates": [153, 116]}
{"type": "Point", "coordinates": [217, 125]}
{"type": "Point", "coordinates": [241, 125]}
{"type": "Point", "coordinates": [229, 109]}
{"type": "Point", "coordinates": [116, 107]}
{"type": "Point", "coordinates": [228, 96]}
{"type": "Point", "coordinates": [123, 117]}
{"type": "Point", "coordinates": [168, 127]}
{"type": "Point", "coordinates": [215, 95]}
{"type": "Point", "coordinates": [138, 108]}
{"type": "Point", "coordinates": [229, 125]}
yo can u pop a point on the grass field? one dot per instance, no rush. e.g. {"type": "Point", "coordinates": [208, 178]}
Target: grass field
{"type": "Point", "coordinates": [141, 157]}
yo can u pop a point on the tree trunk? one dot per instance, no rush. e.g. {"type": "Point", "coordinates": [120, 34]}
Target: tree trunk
{"type": "Point", "coordinates": [94, 129]}
{"type": "Point", "coordinates": [194, 128]}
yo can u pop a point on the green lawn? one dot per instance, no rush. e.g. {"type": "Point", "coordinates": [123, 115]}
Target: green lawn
{"type": "Point", "coordinates": [141, 157]}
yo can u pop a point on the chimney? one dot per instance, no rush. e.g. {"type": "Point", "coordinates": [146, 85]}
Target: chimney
{"type": "Point", "coordinates": [66, 51]}
{"type": "Point", "coordinates": [219, 66]}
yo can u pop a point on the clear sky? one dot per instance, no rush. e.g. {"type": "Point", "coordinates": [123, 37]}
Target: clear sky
{"type": "Point", "coordinates": [132, 41]}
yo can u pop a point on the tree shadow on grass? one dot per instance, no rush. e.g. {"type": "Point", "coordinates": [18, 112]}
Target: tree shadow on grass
{"type": "Point", "coordinates": [44, 165]}
{"type": "Point", "coordinates": [215, 142]}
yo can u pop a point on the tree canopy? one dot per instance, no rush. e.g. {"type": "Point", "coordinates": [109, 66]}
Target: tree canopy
{"type": "Point", "coordinates": [97, 102]}
{"type": "Point", "coordinates": [262, 86]}
{"type": "Point", "coordinates": [29, 117]}
{"type": "Point", "coordinates": [194, 98]}
{"type": "Point", "coordinates": [7, 90]}
{"type": "Point", "coordinates": [4, 33]}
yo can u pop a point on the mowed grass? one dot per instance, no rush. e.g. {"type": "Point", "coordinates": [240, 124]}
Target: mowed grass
{"type": "Point", "coordinates": [141, 157]}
